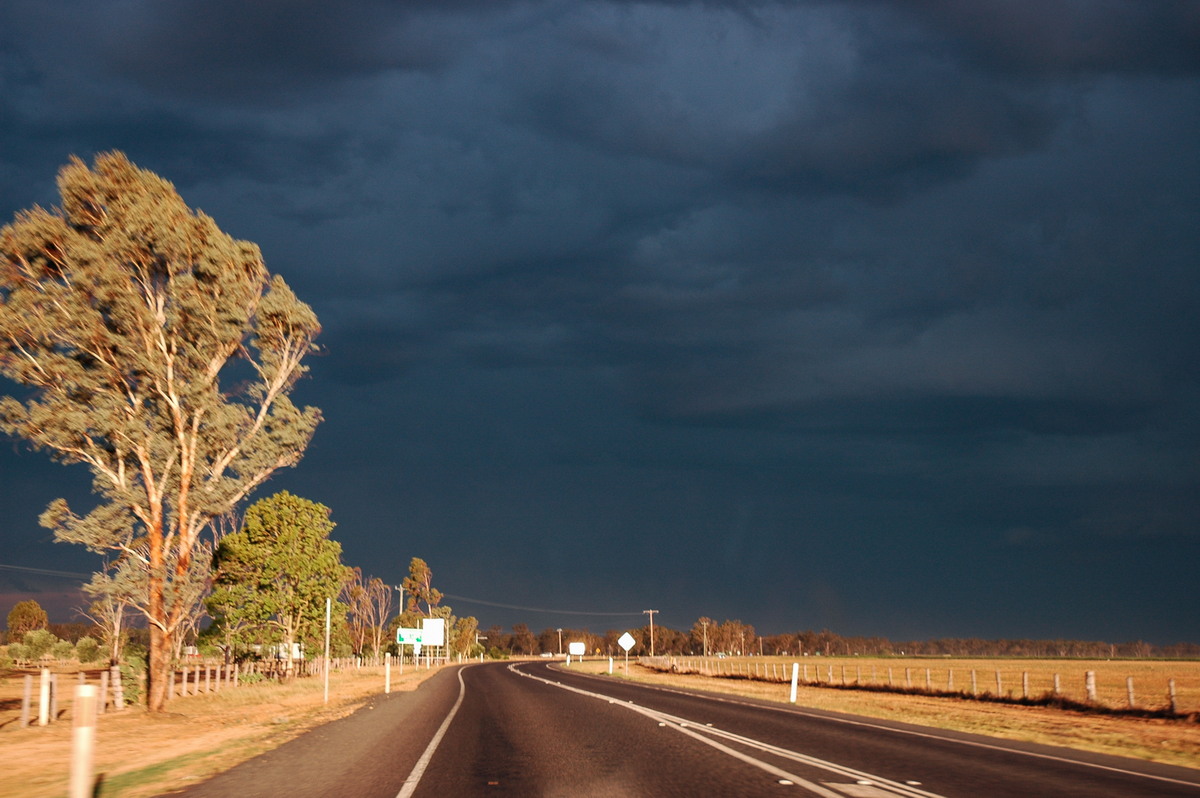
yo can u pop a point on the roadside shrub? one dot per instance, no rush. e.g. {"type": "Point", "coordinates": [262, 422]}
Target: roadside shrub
{"type": "Point", "coordinates": [19, 652]}
{"type": "Point", "coordinates": [133, 673]}
{"type": "Point", "coordinates": [6, 661]}
{"type": "Point", "coordinates": [87, 649]}
{"type": "Point", "coordinates": [63, 649]}
{"type": "Point", "coordinates": [40, 642]}
{"type": "Point", "coordinates": [250, 678]}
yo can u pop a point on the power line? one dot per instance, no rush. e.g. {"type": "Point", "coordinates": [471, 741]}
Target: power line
{"type": "Point", "coordinates": [537, 609]}
{"type": "Point", "coordinates": [43, 571]}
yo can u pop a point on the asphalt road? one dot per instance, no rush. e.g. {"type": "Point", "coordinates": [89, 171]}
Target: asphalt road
{"type": "Point", "coordinates": [530, 729]}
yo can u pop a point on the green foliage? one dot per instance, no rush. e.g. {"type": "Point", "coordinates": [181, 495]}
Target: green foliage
{"type": "Point", "coordinates": [63, 650]}
{"type": "Point", "coordinates": [251, 678]}
{"type": "Point", "coordinates": [40, 643]}
{"type": "Point", "coordinates": [495, 652]}
{"type": "Point", "coordinates": [25, 616]}
{"type": "Point", "coordinates": [275, 574]}
{"type": "Point", "coordinates": [6, 661]}
{"type": "Point", "coordinates": [19, 652]}
{"type": "Point", "coordinates": [88, 650]}
{"type": "Point", "coordinates": [133, 672]}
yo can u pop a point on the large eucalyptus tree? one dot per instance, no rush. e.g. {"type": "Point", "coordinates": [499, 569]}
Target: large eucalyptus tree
{"type": "Point", "coordinates": [156, 350]}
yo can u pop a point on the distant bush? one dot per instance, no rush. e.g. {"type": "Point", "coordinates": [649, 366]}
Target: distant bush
{"type": "Point", "coordinates": [87, 650]}
{"type": "Point", "coordinates": [40, 642]}
{"type": "Point", "coordinates": [18, 652]}
{"type": "Point", "coordinates": [63, 649]}
{"type": "Point", "coordinates": [6, 661]}
{"type": "Point", "coordinates": [250, 678]}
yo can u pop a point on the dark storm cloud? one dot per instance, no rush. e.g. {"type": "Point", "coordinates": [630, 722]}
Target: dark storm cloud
{"type": "Point", "coordinates": [797, 284]}
{"type": "Point", "coordinates": [1069, 37]}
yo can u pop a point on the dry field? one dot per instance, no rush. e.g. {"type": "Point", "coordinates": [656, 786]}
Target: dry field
{"type": "Point", "coordinates": [138, 754]}
{"type": "Point", "coordinates": [1175, 742]}
{"type": "Point", "coordinates": [1017, 678]}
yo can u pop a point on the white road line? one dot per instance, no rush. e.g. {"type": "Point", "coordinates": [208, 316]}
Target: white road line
{"type": "Point", "coordinates": [926, 735]}
{"type": "Point", "coordinates": [699, 731]}
{"type": "Point", "coordinates": [414, 778]}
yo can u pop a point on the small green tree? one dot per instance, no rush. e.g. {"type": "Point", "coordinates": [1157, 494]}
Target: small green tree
{"type": "Point", "coordinates": [40, 642]}
{"type": "Point", "coordinates": [63, 650]}
{"type": "Point", "coordinates": [26, 616]}
{"type": "Point", "coordinates": [277, 572]}
{"type": "Point", "coordinates": [88, 650]}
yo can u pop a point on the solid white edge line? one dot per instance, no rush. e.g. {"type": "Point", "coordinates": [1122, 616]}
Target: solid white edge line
{"type": "Point", "coordinates": [927, 735]}
{"type": "Point", "coordinates": [414, 777]}
{"type": "Point", "coordinates": [679, 725]}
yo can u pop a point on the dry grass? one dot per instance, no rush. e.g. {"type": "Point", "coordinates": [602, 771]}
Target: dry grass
{"type": "Point", "coordinates": [1175, 742]}
{"type": "Point", "coordinates": [139, 754]}
{"type": "Point", "coordinates": [1017, 677]}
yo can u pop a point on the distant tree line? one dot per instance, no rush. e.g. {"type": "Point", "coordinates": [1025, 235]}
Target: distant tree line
{"type": "Point", "coordinates": [735, 638]}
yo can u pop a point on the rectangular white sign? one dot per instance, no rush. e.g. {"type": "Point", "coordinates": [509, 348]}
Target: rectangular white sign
{"type": "Point", "coordinates": [433, 631]}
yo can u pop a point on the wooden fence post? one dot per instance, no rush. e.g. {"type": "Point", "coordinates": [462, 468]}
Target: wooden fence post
{"type": "Point", "coordinates": [1057, 685]}
{"type": "Point", "coordinates": [118, 688]}
{"type": "Point", "coordinates": [1025, 684]}
{"type": "Point", "coordinates": [26, 699]}
{"type": "Point", "coordinates": [1089, 684]}
{"type": "Point", "coordinates": [974, 684]}
{"type": "Point", "coordinates": [51, 705]}
{"type": "Point", "coordinates": [102, 700]}
{"type": "Point", "coordinates": [999, 685]}
{"type": "Point", "coordinates": [1129, 690]}
{"type": "Point", "coordinates": [1171, 697]}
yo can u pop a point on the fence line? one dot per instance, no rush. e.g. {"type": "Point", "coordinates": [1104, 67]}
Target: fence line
{"type": "Point", "coordinates": [934, 683]}
{"type": "Point", "coordinates": [40, 695]}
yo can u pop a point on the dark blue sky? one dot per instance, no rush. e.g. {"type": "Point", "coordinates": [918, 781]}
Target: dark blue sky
{"type": "Point", "coordinates": [875, 316]}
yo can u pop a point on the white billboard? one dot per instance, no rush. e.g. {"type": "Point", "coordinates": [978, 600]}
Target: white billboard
{"type": "Point", "coordinates": [433, 631]}
{"type": "Point", "coordinates": [576, 649]}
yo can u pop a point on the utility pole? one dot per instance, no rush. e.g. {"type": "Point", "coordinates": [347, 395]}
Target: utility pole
{"type": "Point", "coordinates": [559, 641]}
{"type": "Point", "coordinates": [651, 614]}
{"type": "Point", "coordinates": [704, 626]}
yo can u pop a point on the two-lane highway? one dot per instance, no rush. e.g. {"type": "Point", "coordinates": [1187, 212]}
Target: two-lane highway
{"type": "Point", "coordinates": [532, 729]}
{"type": "Point", "coordinates": [536, 729]}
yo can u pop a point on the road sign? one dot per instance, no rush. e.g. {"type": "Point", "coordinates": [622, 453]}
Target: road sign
{"type": "Point", "coordinates": [433, 631]}
{"type": "Point", "coordinates": [576, 649]}
{"type": "Point", "coordinates": [626, 641]}
{"type": "Point", "coordinates": [408, 637]}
